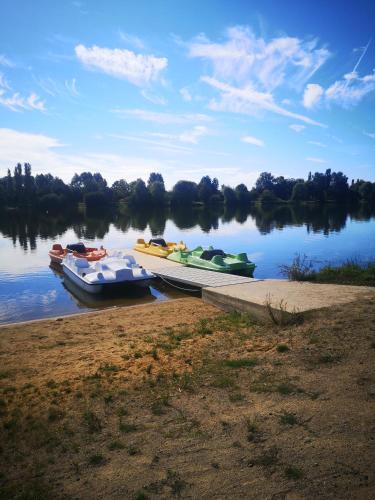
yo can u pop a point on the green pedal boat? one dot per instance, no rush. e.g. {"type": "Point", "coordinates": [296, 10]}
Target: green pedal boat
{"type": "Point", "coordinates": [214, 260]}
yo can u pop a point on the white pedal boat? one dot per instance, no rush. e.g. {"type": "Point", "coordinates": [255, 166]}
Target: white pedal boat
{"type": "Point", "coordinates": [94, 277]}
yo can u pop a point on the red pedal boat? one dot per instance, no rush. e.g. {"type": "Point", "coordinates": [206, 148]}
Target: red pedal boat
{"type": "Point", "coordinates": [57, 252]}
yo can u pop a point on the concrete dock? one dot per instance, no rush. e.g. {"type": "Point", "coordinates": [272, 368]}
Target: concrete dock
{"type": "Point", "coordinates": [231, 292]}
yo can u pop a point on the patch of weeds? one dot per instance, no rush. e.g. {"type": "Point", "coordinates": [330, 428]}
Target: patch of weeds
{"type": "Point", "coordinates": [222, 381]}
{"type": "Point", "coordinates": [235, 397]}
{"type": "Point", "coordinates": [97, 459]}
{"type": "Point", "coordinates": [52, 384]}
{"type": "Point", "coordinates": [279, 314]}
{"type": "Point", "coordinates": [79, 395]}
{"type": "Point", "coordinates": [140, 495]}
{"type": "Point", "coordinates": [108, 367]}
{"type": "Point", "coordinates": [175, 482]}
{"type": "Point", "coordinates": [267, 458]}
{"type": "Point", "coordinates": [108, 399]}
{"type": "Point", "coordinates": [287, 388]}
{"type": "Point", "coordinates": [126, 428]}
{"type": "Point", "coordinates": [264, 383]}
{"type": "Point", "coordinates": [122, 412]}
{"type": "Point", "coordinates": [288, 419]}
{"type": "Point", "coordinates": [154, 354]}
{"type": "Point", "coordinates": [328, 358]}
{"type": "Point", "coordinates": [204, 328]}
{"type": "Point", "coordinates": [149, 369]}
{"type": "Point", "coordinates": [282, 348]}
{"type": "Point", "coordinates": [159, 406]}
{"type": "Point", "coordinates": [4, 374]}
{"type": "Point", "coordinates": [293, 473]}
{"type": "Point", "coordinates": [186, 382]}
{"type": "Point", "coordinates": [55, 414]}
{"type": "Point", "coordinates": [92, 422]}
{"type": "Point", "coordinates": [116, 445]}
{"type": "Point", "coordinates": [253, 432]}
{"type": "Point", "coordinates": [9, 390]}
{"type": "Point", "coordinates": [239, 363]}
{"type": "Point", "coordinates": [132, 450]}
{"type": "Point", "coordinates": [138, 355]}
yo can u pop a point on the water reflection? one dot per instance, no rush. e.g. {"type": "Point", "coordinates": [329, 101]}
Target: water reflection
{"type": "Point", "coordinates": [25, 229]}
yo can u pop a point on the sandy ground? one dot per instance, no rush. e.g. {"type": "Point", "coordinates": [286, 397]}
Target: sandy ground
{"type": "Point", "coordinates": [178, 399]}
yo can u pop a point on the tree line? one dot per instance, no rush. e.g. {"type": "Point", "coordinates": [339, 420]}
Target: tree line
{"type": "Point", "coordinates": [21, 189]}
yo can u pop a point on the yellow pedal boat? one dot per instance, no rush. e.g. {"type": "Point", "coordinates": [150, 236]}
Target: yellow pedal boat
{"type": "Point", "coordinates": [158, 247]}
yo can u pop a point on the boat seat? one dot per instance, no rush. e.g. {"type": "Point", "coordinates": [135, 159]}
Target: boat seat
{"type": "Point", "coordinates": [81, 263]}
{"type": "Point", "coordinates": [57, 247]}
{"type": "Point", "coordinates": [209, 254]}
{"type": "Point", "coordinates": [158, 241]}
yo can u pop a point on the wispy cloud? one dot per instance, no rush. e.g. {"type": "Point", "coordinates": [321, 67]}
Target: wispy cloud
{"type": "Point", "coordinates": [312, 94]}
{"type": "Point", "coordinates": [185, 94]}
{"type": "Point", "coordinates": [164, 118]}
{"type": "Point", "coordinates": [193, 136]}
{"type": "Point", "coordinates": [370, 134]}
{"type": "Point", "coordinates": [316, 143]}
{"type": "Point", "coordinates": [247, 100]}
{"type": "Point", "coordinates": [253, 140]}
{"type": "Point", "coordinates": [17, 102]}
{"type": "Point", "coordinates": [243, 57]}
{"type": "Point", "coordinates": [155, 99]}
{"type": "Point", "coordinates": [138, 69]}
{"type": "Point", "coordinates": [54, 88]}
{"type": "Point", "coordinates": [316, 160]}
{"type": "Point", "coordinates": [4, 61]}
{"type": "Point", "coordinates": [349, 91]}
{"type": "Point", "coordinates": [132, 40]}
{"type": "Point", "coordinates": [297, 128]}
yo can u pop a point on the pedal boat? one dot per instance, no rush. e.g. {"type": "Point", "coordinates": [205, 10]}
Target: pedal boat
{"type": "Point", "coordinates": [57, 252]}
{"type": "Point", "coordinates": [158, 247]}
{"type": "Point", "coordinates": [95, 277]}
{"type": "Point", "coordinates": [214, 260]}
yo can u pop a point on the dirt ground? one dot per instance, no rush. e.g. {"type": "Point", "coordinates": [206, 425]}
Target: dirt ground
{"type": "Point", "coordinates": [180, 400]}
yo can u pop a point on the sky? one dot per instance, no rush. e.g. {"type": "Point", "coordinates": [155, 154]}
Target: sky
{"type": "Point", "coordinates": [188, 88]}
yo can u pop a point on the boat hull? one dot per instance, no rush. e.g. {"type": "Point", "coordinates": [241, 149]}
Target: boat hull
{"type": "Point", "coordinates": [90, 288]}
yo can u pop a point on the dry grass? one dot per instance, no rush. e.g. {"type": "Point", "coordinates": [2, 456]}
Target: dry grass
{"type": "Point", "coordinates": [180, 400]}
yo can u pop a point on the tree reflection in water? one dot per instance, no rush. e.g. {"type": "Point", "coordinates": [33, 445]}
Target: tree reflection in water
{"type": "Point", "coordinates": [26, 228]}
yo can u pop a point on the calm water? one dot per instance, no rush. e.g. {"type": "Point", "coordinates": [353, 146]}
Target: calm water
{"type": "Point", "coordinates": [30, 288]}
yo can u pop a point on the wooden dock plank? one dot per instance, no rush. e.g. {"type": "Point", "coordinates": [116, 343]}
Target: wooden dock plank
{"type": "Point", "coordinates": [200, 277]}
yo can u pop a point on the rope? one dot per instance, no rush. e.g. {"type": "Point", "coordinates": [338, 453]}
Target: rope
{"type": "Point", "coordinates": [179, 287]}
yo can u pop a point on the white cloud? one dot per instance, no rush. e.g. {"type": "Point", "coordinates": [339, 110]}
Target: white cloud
{"type": "Point", "coordinates": [297, 128]}
{"type": "Point", "coordinates": [138, 69]}
{"type": "Point", "coordinates": [193, 136]}
{"type": "Point", "coordinates": [4, 61]}
{"type": "Point", "coordinates": [243, 57]}
{"type": "Point", "coordinates": [316, 143]}
{"type": "Point", "coordinates": [4, 83]}
{"type": "Point", "coordinates": [132, 40]}
{"type": "Point", "coordinates": [155, 99]}
{"type": "Point", "coordinates": [286, 102]}
{"type": "Point", "coordinates": [247, 100]}
{"type": "Point", "coordinates": [163, 118]}
{"type": "Point", "coordinates": [47, 155]}
{"type": "Point", "coordinates": [253, 140]}
{"type": "Point", "coordinates": [370, 134]}
{"type": "Point", "coordinates": [71, 87]}
{"type": "Point", "coordinates": [351, 89]}
{"type": "Point", "coordinates": [185, 94]}
{"type": "Point", "coordinates": [55, 88]}
{"type": "Point", "coordinates": [316, 160]}
{"type": "Point", "coordinates": [312, 95]}
{"type": "Point", "coordinates": [16, 102]}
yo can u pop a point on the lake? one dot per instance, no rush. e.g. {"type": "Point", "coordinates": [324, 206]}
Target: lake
{"type": "Point", "coordinates": [31, 289]}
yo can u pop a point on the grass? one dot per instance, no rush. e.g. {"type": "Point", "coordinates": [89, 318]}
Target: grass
{"type": "Point", "coordinates": [126, 428]}
{"type": "Point", "coordinates": [96, 459]}
{"type": "Point", "coordinates": [92, 422]}
{"type": "Point", "coordinates": [116, 445]}
{"type": "Point", "coordinates": [282, 348]}
{"type": "Point", "coordinates": [293, 473]}
{"type": "Point", "coordinates": [350, 272]}
{"type": "Point", "coordinates": [239, 363]}
{"type": "Point", "coordinates": [288, 419]}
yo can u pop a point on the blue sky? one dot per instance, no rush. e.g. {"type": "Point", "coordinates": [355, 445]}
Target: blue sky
{"type": "Point", "coordinates": [188, 88]}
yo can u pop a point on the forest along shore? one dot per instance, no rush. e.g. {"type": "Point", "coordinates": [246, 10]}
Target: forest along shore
{"type": "Point", "coordinates": [180, 400]}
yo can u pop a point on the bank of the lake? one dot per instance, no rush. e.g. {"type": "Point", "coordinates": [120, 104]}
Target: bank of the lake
{"type": "Point", "coordinates": [182, 400]}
